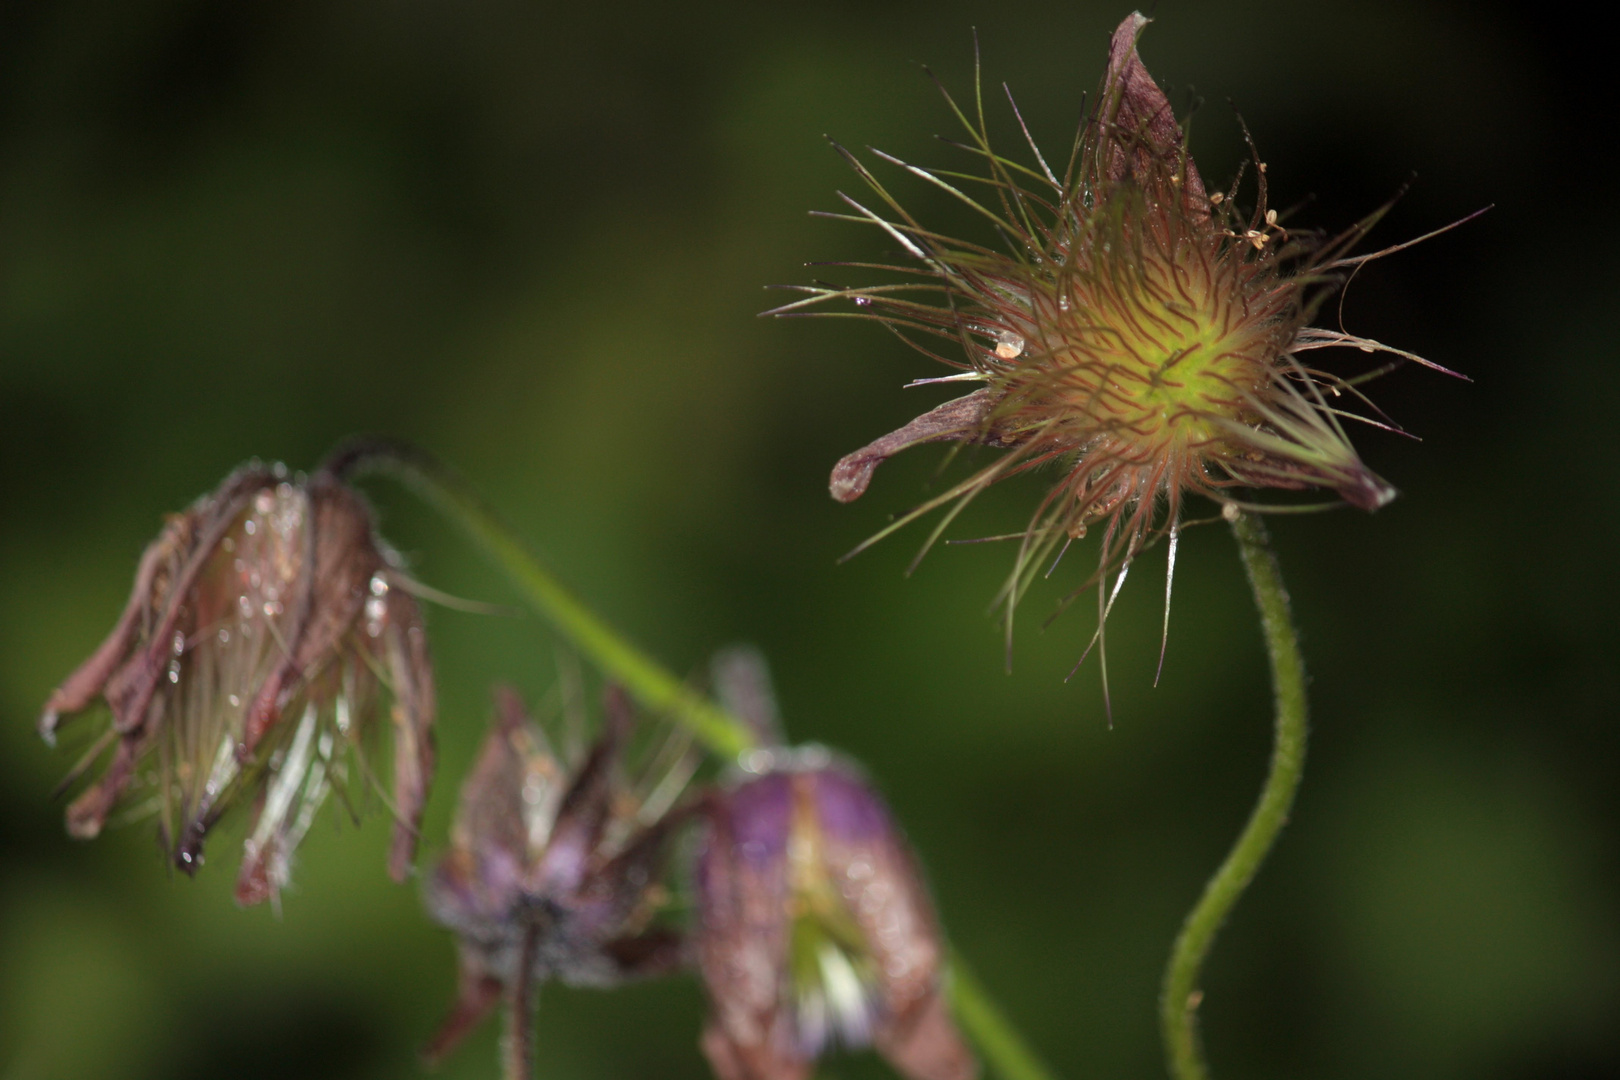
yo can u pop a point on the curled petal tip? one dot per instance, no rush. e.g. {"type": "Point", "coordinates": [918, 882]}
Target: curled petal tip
{"type": "Point", "coordinates": [1368, 492]}
{"type": "Point", "coordinates": [964, 419]}
{"type": "Point", "coordinates": [86, 817]}
{"type": "Point", "coordinates": [852, 475]}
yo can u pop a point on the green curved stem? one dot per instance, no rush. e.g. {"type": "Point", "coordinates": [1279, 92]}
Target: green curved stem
{"type": "Point", "coordinates": [984, 1021]}
{"type": "Point", "coordinates": [1178, 1004]}
{"type": "Point", "coordinates": [645, 679]}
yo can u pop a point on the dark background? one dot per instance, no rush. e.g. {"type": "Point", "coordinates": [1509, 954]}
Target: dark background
{"type": "Point", "coordinates": [532, 239]}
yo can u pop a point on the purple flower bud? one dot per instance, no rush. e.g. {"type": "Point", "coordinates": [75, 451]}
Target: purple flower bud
{"type": "Point", "coordinates": [816, 928]}
{"type": "Point", "coordinates": [248, 666]}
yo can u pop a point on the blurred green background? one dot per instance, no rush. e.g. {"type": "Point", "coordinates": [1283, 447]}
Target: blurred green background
{"type": "Point", "coordinates": [532, 238]}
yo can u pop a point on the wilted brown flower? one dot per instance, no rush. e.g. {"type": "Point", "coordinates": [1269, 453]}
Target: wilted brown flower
{"type": "Point", "coordinates": [249, 666]}
{"type": "Point", "coordinates": [1139, 334]}
{"type": "Point", "coordinates": [554, 866]}
{"type": "Point", "coordinates": [815, 928]}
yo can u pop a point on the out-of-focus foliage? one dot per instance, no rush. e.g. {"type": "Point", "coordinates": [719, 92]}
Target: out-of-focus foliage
{"type": "Point", "coordinates": [531, 238]}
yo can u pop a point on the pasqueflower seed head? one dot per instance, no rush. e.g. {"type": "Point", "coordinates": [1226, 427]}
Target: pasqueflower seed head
{"type": "Point", "coordinates": [249, 666]}
{"type": "Point", "coordinates": [1138, 334]}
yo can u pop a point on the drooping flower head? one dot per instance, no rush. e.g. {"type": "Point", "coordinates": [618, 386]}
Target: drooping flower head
{"type": "Point", "coordinates": [815, 928]}
{"type": "Point", "coordinates": [1138, 335]}
{"type": "Point", "coordinates": [555, 863]}
{"type": "Point", "coordinates": [265, 629]}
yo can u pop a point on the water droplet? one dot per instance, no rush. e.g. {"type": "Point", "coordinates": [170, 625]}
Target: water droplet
{"type": "Point", "coordinates": [278, 470]}
{"type": "Point", "coordinates": [174, 671]}
{"type": "Point", "coordinates": [1009, 346]}
{"type": "Point", "coordinates": [756, 761]}
{"type": "Point", "coordinates": [236, 702]}
{"type": "Point", "coordinates": [812, 756]}
{"type": "Point", "coordinates": [250, 526]}
{"type": "Point", "coordinates": [264, 502]}
{"type": "Point", "coordinates": [224, 636]}
{"type": "Point", "coordinates": [863, 301]}
{"type": "Point", "coordinates": [179, 643]}
{"type": "Point", "coordinates": [379, 585]}
{"type": "Point", "coordinates": [1063, 303]}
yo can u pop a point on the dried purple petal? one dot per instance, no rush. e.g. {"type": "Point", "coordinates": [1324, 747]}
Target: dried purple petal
{"type": "Point", "coordinates": [249, 665]}
{"type": "Point", "coordinates": [554, 868]}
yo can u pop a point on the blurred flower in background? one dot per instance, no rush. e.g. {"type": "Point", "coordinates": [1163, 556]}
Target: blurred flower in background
{"type": "Point", "coordinates": [266, 624]}
{"type": "Point", "coordinates": [816, 930]}
{"type": "Point", "coordinates": [555, 865]}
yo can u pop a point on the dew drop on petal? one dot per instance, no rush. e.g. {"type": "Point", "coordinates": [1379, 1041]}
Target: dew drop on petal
{"type": "Point", "coordinates": [1009, 346]}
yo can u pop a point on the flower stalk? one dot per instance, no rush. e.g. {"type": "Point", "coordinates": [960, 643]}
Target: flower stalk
{"type": "Point", "coordinates": [1181, 996]}
{"type": "Point", "coordinates": [649, 683]}
{"type": "Point", "coordinates": [655, 687]}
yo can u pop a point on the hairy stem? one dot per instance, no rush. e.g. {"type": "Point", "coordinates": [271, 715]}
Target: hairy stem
{"type": "Point", "coordinates": [645, 679]}
{"type": "Point", "coordinates": [1178, 1005]}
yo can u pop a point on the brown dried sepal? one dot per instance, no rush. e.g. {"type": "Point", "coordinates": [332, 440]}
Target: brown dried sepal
{"type": "Point", "coordinates": [968, 419]}
{"type": "Point", "coordinates": [1139, 138]}
{"type": "Point", "coordinates": [267, 599]}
